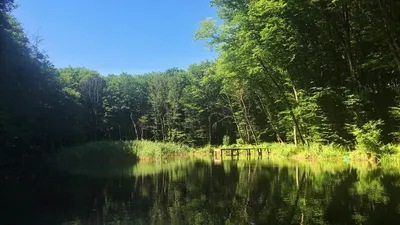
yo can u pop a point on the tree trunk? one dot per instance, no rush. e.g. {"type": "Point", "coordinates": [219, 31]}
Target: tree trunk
{"type": "Point", "coordinates": [134, 126]}
{"type": "Point", "coordinates": [269, 116]}
{"type": "Point", "coordinates": [294, 125]}
{"type": "Point", "coordinates": [95, 126]}
{"type": "Point", "coordinates": [284, 97]}
{"type": "Point", "coordinates": [209, 128]}
{"type": "Point", "coordinates": [390, 37]}
{"type": "Point", "coordinates": [246, 117]}
{"type": "Point", "coordinates": [162, 128]}
{"type": "Point", "coordinates": [247, 134]}
{"type": "Point", "coordinates": [297, 176]}
{"type": "Point", "coordinates": [234, 117]}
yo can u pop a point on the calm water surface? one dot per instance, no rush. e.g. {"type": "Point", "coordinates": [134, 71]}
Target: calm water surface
{"type": "Point", "coordinates": [194, 191]}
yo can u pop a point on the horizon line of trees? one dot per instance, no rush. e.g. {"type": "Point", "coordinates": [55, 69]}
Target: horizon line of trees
{"type": "Point", "coordinates": [288, 71]}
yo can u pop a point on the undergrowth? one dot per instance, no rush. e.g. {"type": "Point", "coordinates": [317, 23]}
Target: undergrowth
{"type": "Point", "coordinates": [319, 151]}
{"type": "Point", "coordinates": [105, 154]}
{"type": "Point", "coordinates": [150, 149]}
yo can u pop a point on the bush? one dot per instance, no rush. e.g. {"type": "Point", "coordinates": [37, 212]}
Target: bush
{"type": "Point", "coordinates": [226, 140]}
{"type": "Point", "coordinates": [368, 137]}
{"type": "Point", "coordinates": [239, 141]}
{"type": "Point", "coordinates": [150, 149]}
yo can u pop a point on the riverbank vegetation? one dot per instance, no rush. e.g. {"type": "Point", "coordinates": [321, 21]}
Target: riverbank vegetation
{"type": "Point", "coordinates": [109, 154]}
{"type": "Point", "coordinates": [323, 73]}
{"type": "Point", "coordinates": [316, 151]}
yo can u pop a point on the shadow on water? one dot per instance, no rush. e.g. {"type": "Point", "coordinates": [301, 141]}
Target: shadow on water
{"type": "Point", "coordinates": [204, 191]}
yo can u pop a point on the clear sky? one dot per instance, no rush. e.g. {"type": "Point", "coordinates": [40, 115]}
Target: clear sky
{"type": "Point", "coordinates": [134, 36]}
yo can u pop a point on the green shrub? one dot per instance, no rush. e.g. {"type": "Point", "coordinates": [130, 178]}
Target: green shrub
{"type": "Point", "coordinates": [239, 141]}
{"type": "Point", "coordinates": [226, 140]}
{"type": "Point", "coordinates": [368, 137]}
{"type": "Point", "coordinates": [150, 149]}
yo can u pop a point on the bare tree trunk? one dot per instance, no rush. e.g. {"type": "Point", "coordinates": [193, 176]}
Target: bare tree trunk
{"type": "Point", "coordinates": [163, 129]}
{"type": "Point", "coordinates": [134, 126]}
{"type": "Point", "coordinates": [295, 95]}
{"type": "Point", "coordinates": [209, 128]}
{"type": "Point", "coordinates": [294, 125]}
{"type": "Point", "coordinates": [297, 176]}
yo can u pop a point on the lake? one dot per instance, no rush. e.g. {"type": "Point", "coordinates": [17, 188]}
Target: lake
{"type": "Point", "coordinates": [204, 191]}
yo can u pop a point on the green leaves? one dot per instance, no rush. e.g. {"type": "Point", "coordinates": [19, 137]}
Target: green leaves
{"type": "Point", "coordinates": [208, 29]}
{"type": "Point", "coordinates": [368, 137]}
{"type": "Point", "coordinates": [287, 70]}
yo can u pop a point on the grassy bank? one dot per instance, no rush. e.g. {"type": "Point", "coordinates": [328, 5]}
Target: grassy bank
{"type": "Point", "coordinates": [315, 151]}
{"type": "Point", "coordinates": [106, 154]}
{"type": "Point", "coordinates": [157, 150]}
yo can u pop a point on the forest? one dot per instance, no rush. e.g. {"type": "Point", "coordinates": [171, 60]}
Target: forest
{"type": "Point", "coordinates": [290, 71]}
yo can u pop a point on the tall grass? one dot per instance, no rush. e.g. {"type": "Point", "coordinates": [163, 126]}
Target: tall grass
{"type": "Point", "coordinates": [311, 151]}
{"type": "Point", "coordinates": [315, 151]}
{"type": "Point", "coordinates": [106, 154]}
{"type": "Point", "coordinates": [157, 150]}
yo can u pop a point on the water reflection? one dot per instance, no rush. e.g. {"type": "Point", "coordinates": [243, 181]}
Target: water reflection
{"type": "Point", "coordinates": [193, 191]}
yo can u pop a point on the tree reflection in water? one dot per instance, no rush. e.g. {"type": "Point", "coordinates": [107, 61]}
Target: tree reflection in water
{"type": "Point", "coordinates": [201, 192]}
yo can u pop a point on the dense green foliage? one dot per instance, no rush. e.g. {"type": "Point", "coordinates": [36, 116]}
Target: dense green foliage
{"type": "Point", "coordinates": [322, 69]}
{"type": "Point", "coordinates": [288, 71]}
{"type": "Point", "coordinates": [34, 114]}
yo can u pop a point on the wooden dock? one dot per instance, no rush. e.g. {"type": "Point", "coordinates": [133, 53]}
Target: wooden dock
{"type": "Point", "coordinates": [256, 150]}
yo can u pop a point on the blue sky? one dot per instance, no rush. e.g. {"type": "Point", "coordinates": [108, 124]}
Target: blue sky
{"type": "Point", "coordinates": [134, 36]}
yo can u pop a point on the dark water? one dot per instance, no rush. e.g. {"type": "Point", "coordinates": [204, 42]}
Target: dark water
{"type": "Point", "coordinates": [206, 192]}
